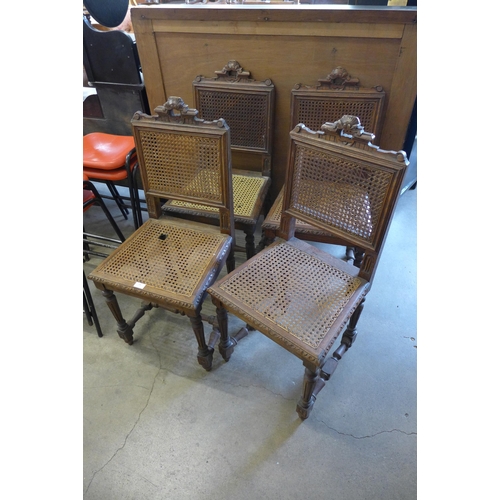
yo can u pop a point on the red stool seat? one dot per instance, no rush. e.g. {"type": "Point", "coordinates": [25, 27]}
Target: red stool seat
{"type": "Point", "coordinates": [106, 151]}
{"type": "Point", "coordinates": [117, 174]}
{"type": "Point", "coordinates": [111, 159]}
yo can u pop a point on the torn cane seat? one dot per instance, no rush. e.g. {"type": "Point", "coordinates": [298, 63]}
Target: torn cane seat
{"type": "Point", "coordinates": [169, 262]}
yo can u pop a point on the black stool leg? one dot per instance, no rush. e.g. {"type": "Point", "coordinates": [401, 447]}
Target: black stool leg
{"type": "Point", "coordinates": [89, 308]}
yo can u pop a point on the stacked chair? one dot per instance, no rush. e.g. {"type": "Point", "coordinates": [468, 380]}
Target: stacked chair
{"type": "Point", "coordinates": [113, 68]}
{"type": "Point", "coordinates": [299, 296]}
{"type": "Point", "coordinates": [331, 98]}
{"type": "Point", "coordinates": [111, 159]}
{"type": "Point", "coordinates": [170, 262]}
{"type": "Point", "coordinates": [247, 105]}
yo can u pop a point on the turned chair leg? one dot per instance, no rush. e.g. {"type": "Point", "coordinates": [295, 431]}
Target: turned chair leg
{"type": "Point", "coordinates": [349, 255]}
{"type": "Point", "coordinates": [205, 353]}
{"type": "Point", "coordinates": [358, 256]}
{"type": "Point", "coordinates": [226, 342]}
{"type": "Point", "coordinates": [265, 240]}
{"type": "Point", "coordinates": [315, 380]}
{"type": "Point", "coordinates": [124, 330]}
{"type": "Point", "coordinates": [226, 345]}
{"type": "Point", "coordinates": [231, 261]}
{"type": "Point", "coordinates": [305, 404]}
{"type": "Point", "coordinates": [250, 242]}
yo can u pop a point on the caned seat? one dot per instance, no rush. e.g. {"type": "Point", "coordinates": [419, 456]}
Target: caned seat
{"type": "Point", "coordinates": [169, 262]}
{"type": "Point", "coordinates": [301, 297]}
{"type": "Point", "coordinates": [247, 106]}
{"type": "Point", "coordinates": [336, 95]}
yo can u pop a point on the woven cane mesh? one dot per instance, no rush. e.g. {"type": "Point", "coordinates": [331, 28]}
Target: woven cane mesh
{"type": "Point", "coordinates": [245, 113]}
{"type": "Point", "coordinates": [314, 112]}
{"type": "Point", "coordinates": [246, 190]}
{"type": "Point", "coordinates": [343, 194]}
{"type": "Point", "coordinates": [163, 256]}
{"type": "Point", "coordinates": [293, 289]}
{"type": "Point", "coordinates": [273, 218]}
{"type": "Point", "coordinates": [182, 164]}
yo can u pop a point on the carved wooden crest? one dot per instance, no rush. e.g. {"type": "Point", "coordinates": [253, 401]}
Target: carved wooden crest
{"type": "Point", "coordinates": [349, 131]}
{"type": "Point", "coordinates": [348, 126]}
{"type": "Point", "coordinates": [175, 110]}
{"type": "Point", "coordinates": [233, 71]}
{"type": "Point", "coordinates": [339, 78]}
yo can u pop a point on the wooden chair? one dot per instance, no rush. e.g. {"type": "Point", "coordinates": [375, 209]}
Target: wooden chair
{"type": "Point", "coordinates": [247, 106]}
{"type": "Point", "coordinates": [336, 95]}
{"type": "Point", "coordinates": [301, 297]}
{"type": "Point", "coordinates": [169, 262]}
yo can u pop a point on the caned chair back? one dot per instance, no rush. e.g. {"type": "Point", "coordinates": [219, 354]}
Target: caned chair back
{"type": "Point", "coordinates": [247, 105]}
{"type": "Point", "coordinates": [337, 95]}
{"type": "Point", "coordinates": [185, 158]}
{"type": "Point", "coordinates": [340, 183]}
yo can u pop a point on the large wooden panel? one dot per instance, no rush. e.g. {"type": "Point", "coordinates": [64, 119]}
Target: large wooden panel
{"type": "Point", "coordinates": [288, 44]}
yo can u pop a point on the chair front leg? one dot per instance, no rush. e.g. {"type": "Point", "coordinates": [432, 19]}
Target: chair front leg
{"type": "Point", "coordinates": [205, 354]}
{"type": "Point", "coordinates": [305, 404]}
{"type": "Point", "coordinates": [226, 346]}
{"type": "Point", "coordinates": [125, 331]}
{"type": "Point", "coordinates": [226, 343]}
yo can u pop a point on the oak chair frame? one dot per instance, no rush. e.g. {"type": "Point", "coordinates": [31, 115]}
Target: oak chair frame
{"type": "Point", "coordinates": [171, 263]}
{"type": "Point", "coordinates": [347, 162]}
{"type": "Point", "coordinates": [331, 98]}
{"type": "Point", "coordinates": [247, 105]}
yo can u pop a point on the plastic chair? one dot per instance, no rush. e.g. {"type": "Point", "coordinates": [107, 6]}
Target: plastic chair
{"type": "Point", "coordinates": [169, 262]}
{"type": "Point", "coordinates": [331, 98]}
{"type": "Point", "coordinates": [299, 296]}
{"type": "Point", "coordinates": [247, 105]}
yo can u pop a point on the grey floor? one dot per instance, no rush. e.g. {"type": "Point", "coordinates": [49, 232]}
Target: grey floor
{"type": "Point", "coordinates": [158, 426]}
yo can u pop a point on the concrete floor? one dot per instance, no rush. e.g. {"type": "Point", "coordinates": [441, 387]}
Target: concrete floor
{"type": "Point", "coordinates": [157, 426]}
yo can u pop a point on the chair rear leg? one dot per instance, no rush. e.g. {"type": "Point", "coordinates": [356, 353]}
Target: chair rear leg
{"type": "Point", "coordinates": [265, 240]}
{"type": "Point", "coordinates": [358, 256]}
{"type": "Point", "coordinates": [250, 241]}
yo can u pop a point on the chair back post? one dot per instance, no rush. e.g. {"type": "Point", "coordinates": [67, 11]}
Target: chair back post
{"type": "Point", "coordinates": [340, 182]}
{"type": "Point", "coordinates": [182, 157]}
